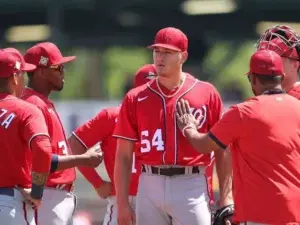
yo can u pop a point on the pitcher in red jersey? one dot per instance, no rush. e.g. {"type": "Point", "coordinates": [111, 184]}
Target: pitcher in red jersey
{"type": "Point", "coordinates": [172, 186]}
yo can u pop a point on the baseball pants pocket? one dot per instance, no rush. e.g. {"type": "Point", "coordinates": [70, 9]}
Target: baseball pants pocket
{"type": "Point", "coordinates": [57, 207]}
{"type": "Point", "coordinates": [150, 201]}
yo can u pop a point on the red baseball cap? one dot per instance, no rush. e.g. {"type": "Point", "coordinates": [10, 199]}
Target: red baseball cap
{"type": "Point", "coordinates": [8, 64]}
{"type": "Point", "coordinates": [266, 62]}
{"type": "Point", "coordinates": [171, 38]}
{"type": "Point", "coordinates": [46, 54]}
{"type": "Point", "coordinates": [27, 67]}
{"type": "Point", "coordinates": [144, 74]}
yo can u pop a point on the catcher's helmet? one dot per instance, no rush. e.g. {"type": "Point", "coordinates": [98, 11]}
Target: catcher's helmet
{"type": "Point", "coordinates": [281, 39]}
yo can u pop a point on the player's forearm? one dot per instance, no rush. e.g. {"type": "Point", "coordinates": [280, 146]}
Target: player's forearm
{"type": "Point", "coordinates": [197, 140]}
{"type": "Point", "coordinates": [91, 175]}
{"type": "Point", "coordinates": [41, 160]}
{"type": "Point", "coordinates": [224, 173]}
{"type": "Point", "coordinates": [122, 175]}
{"type": "Point", "coordinates": [60, 162]}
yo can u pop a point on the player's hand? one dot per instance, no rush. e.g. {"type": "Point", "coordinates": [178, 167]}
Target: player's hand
{"type": "Point", "coordinates": [104, 190]}
{"type": "Point", "coordinates": [223, 216]}
{"type": "Point", "coordinates": [126, 215]}
{"type": "Point", "coordinates": [94, 157]}
{"type": "Point", "coordinates": [26, 192]}
{"type": "Point", "coordinates": [185, 117]}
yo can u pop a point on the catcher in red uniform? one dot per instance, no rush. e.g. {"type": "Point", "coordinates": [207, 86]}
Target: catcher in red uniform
{"type": "Point", "coordinates": [285, 42]}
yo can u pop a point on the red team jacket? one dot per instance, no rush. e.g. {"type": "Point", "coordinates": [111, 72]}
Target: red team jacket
{"type": "Point", "coordinates": [148, 117]}
{"type": "Point", "coordinates": [56, 131]}
{"type": "Point", "coordinates": [104, 124]}
{"type": "Point", "coordinates": [20, 122]}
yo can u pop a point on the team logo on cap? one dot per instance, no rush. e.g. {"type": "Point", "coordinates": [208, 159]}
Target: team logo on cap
{"type": "Point", "coordinates": [18, 65]}
{"type": "Point", "coordinates": [44, 61]}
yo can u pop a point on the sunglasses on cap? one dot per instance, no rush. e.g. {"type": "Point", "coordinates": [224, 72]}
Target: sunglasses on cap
{"type": "Point", "coordinates": [59, 68]}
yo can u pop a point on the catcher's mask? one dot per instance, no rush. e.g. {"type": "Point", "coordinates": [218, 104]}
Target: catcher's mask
{"type": "Point", "coordinates": [281, 39]}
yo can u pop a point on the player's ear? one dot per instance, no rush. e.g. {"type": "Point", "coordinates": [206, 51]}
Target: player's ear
{"type": "Point", "coordinates": [296, 64]}
{"type": "Point", "coordinates": [184, 57]}
{"type": "Point", "coordinates": [15, 80]}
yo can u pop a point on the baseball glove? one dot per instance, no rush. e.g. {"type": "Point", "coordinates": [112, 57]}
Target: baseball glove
{"type": "Point", "coordinates": [222, 214]}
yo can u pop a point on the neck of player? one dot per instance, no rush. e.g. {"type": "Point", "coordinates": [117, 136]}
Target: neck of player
{"type": "Point", "coordinates": [39, 88]}
{"type": "Point", "coordinates": [171, 81]}
{"type": "Point", "coordinates": [270, 88]}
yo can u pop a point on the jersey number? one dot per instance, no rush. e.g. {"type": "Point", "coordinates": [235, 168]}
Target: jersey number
{"type": "Point", "coordinates": [156, 141]}
{"type": "Point", "coordinates": [63, 146]}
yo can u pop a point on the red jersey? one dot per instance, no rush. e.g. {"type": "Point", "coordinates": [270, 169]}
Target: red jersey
{"type": "Point", "coordinates": [295, 92]}
{"type": "Point", "coordinates": [264, 136]}
{"type": "Point", "coordinates": [100, 129]}
{"type": "Point", "coordinates": [148, 117]}
{"type": "Point", "coordinates": [20, 122]}
{"type": "Point", "coordinates": [56, 131]}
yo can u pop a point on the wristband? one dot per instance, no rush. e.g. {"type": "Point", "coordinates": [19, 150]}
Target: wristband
{"type": "Point", "coordinates": [37, 191]}
{"type": "Point", "coordinates": [186, 127]}
{"type": "Point", "coordinates": [54, 163]}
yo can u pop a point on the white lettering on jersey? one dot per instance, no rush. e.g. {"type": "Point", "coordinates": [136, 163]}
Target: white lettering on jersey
{"type": "Point", "coordinates": [6, 120]}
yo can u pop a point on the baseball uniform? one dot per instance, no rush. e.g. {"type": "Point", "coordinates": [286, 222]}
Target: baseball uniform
{"type": "Point", "coordinates": [172, 187]}
{"type": "Point", "coordinates": [24, 147]}
{"type": "Point", "coordinates": [265, 144]}
{"type": "Point", "coordinates": [100, 129]}
{"type": "Point", "coordinates": [58, 202]}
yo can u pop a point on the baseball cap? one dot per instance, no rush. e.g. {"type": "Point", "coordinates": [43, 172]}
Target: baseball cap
{"type": "Point", "coordinates": [171, 38]}
{"type": "Point", "coordinates": [27, 67]}
{"type": "Point", "coordinates": [46, 54]}
{"type": "Point", "coordinates": [266, 62]}
{"type": "Point", "coordinates": [8, 64]}
{"type": "Point", "coordinates": [144, 74]}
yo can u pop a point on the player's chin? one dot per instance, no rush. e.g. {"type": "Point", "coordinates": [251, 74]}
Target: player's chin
{"type": "Point", "coordinates": [59, 88]}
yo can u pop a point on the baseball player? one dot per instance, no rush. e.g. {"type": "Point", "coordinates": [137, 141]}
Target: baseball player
{"type": "Point", "coordinates": [172, 186]}
{"type": "Point", "coordinates": [59, 202]}
{"type": "Point", "coordinates": [284, 41]}
{"type": "Point", "coordinates": [25, 146]}
{"type": "Point", "coordinates": [265, 145]}
{"type": "Point", "coordinates": [100, 129]}
{"type": "Point", "coordinates": [59, 162]}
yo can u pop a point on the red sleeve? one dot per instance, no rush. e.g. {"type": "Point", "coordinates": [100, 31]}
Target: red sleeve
{"type": "Point", "coordinates": [228, 129]}
{"type": "Point", "coordinates": [34, 125]}
{"type": "Point", "coordinates": [95, 130]}
{"type": "Point", "coordinates": [41, 154]}
{"type": "Point", "coordinates": [216, 107]}
{"type": "Point", "coordinates": [91, 175]}
{"type": "Point", "coordinates": [35, 133]}
{"type": "Point", "coordinates": [126, 127]}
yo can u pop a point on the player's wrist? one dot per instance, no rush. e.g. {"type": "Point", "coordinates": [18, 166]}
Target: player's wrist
{"type": "Point", "coordinates": [37, 191]}
{"type": "Point", "coordinates": [188, 128]}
